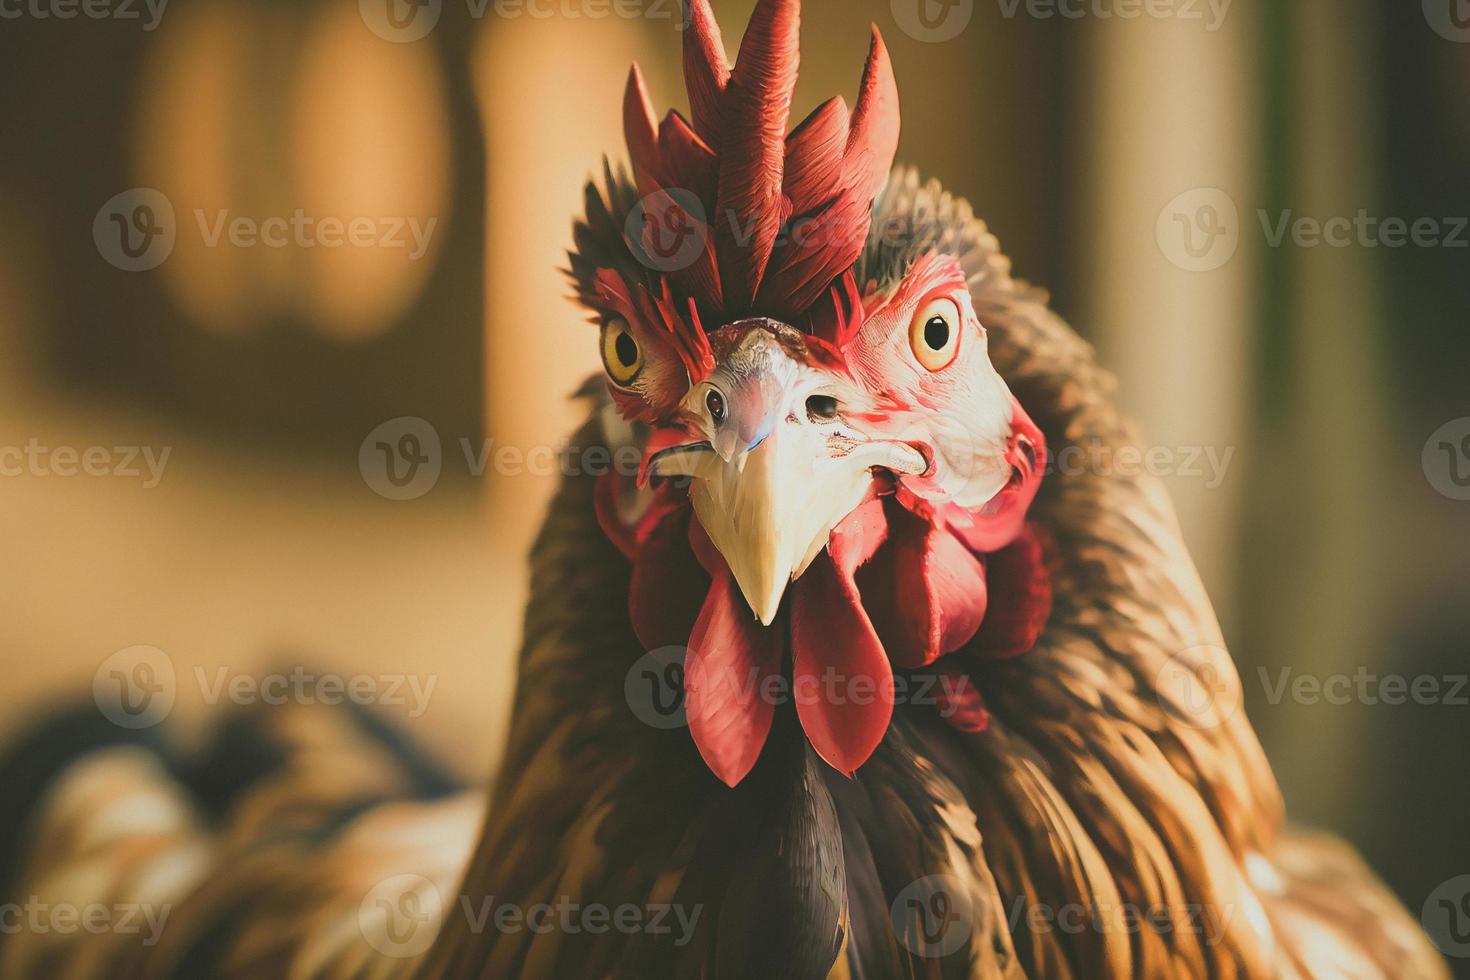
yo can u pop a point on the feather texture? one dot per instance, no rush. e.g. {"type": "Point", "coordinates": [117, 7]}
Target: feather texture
{"type": "Point", "coordinates": [1028, 848]}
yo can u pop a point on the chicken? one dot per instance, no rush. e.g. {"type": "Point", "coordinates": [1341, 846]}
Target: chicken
{"type": "Point", "coordinates": [842, 682]}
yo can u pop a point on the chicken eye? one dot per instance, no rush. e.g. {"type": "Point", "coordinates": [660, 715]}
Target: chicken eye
{"type": "Point", "coordinates": [934, 334]}
{"type": "Point", "coordinates": [621, 355]}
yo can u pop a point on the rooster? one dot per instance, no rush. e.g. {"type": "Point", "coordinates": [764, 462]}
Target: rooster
{"type": "Point", "coordinates": [839, 681]}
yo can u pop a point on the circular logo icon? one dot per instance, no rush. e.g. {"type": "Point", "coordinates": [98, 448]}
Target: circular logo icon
{"type": "Point", "coordinates": [1446, 459]}
{"type": "Point", "coordinates": [401, 459]}
{"type": "Point", "coordinates": [135, 687]}
{"type": "Point", "coordinates": [135, 230]}
{"type": "Point", "coordinates": [654, 688]}
{"type": "Point", "coordinates": [932, 21]}
{"type": "Point", "coordinates": [933, 917]}
{"type": "Point", "coordinates": [1198, 687]}
{"type": "Point", "coordinates": [1199, 230]}
{"type": "Point", "coordinates": [401, 915]}
{"type": "Point", "coordinates": [668, 229]}
{"type": "Point", "coordinates": [1449, 18]}
{"type": "Point", "coordinates": [1446, 916]}
{"type": "Point", "coordinates": [400, 21]}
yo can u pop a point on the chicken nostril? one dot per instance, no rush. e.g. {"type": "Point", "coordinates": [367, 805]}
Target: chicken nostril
{"type": "Point", "coordinates": [821, 408]}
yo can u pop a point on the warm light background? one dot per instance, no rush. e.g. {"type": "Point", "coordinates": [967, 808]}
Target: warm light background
{"type": "Point", "coordinates": [263, 370]}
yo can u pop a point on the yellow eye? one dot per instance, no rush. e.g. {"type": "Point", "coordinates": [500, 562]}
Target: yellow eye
{"type": "Point", "coordinates": [620, 352]}
{"type": "Point", "coordinates": [934, 333]}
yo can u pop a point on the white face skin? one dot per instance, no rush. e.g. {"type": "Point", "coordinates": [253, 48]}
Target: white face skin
{"type": "Point", "coordinates": [783, 464]}
{"type": "Point", "coordinates": [782, 445]}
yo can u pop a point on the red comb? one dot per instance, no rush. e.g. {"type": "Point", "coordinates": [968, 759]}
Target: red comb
{"type": "Point", "coordinates": [785, 216]}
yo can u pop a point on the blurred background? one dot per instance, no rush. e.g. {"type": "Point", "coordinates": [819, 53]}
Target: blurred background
{"type": "Point", "coordinates": [247, 244]}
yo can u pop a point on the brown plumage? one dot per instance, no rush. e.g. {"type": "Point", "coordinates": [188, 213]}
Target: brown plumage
{"type": "Point", "coordinates": [1097, 794]}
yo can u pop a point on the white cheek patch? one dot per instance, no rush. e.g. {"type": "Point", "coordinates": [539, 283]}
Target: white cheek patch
{"type": "Point", "coordinates": [962, 412]}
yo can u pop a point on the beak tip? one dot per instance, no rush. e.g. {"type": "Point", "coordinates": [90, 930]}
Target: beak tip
{"type": "Point", "coordinates": [767, 606]}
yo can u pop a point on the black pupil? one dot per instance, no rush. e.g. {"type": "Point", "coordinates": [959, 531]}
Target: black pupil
{"type": "Point", "coordinates": [716, 405]}
{"type": "Point", "coordinates": [936, 333]}
{"type": "Point", "coordinates": [626, 350]}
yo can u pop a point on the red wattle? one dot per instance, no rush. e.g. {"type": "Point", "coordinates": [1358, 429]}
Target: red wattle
{"type": "Point", "coordinates": [731, 659]}
{"type": "Point", "coordinates": [841, 677]}
{"type": "Point", "coordinates": [669, 584]}
{"type": "Point", "coordinates": [1000, 520]}
{"type": "Point", "coordinates": [1020, 597]}
{"type": "Point", "coordinates": [926, 591]}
